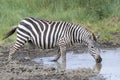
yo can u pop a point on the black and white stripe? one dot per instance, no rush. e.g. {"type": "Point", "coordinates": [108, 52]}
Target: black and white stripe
{"type": "Point", "coordinates": [45, 34]}
{"type": "Point", "coordinates": [49, 34]}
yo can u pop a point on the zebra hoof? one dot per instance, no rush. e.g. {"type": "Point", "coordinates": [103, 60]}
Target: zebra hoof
{"type": "Point", "coordinates": [54, 60]}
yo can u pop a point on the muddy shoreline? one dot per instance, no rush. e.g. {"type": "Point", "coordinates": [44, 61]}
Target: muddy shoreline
{"type": "Point", "coordinates": [22, 69]}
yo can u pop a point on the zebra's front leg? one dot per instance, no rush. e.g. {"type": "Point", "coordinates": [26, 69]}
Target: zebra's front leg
{"type": "Point", "coordinates": [57, 56]}
{"type": "Point", "coordinates": [63, 55]}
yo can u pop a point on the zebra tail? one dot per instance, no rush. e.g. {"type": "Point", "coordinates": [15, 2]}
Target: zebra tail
{"type": "Point", "coordinates": [10, 32]}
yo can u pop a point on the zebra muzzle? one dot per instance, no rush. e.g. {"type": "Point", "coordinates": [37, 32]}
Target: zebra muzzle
{"type": "Point", "coordinates": [98, 59]}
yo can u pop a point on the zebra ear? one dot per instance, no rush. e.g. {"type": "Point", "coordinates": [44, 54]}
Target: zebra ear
{"type": "Point", "coordinates": [97, 36]}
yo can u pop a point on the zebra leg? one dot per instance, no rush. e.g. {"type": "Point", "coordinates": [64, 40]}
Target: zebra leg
{"type": "Point", "coordinates": [63, 55]}
{"type": "Point", "coordinates": [31, 45]}
{"type": "Point", "coordinates": [62, 45]}
{"type": "Point", "coordinates": [31, 50]}
{"type": "Point", "coordinates": [11, 52]}
{"type": "Point", "coordinates": [19, 43]}
{"type": "Point", "coordinates": [57, 56]}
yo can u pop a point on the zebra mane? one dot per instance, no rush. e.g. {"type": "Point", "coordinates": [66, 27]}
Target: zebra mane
{"type": "Point", "coordinates": [94, 37]}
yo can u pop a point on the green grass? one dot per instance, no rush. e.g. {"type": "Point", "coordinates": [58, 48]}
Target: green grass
{"type": "Point", "coordinates": [101, 16]}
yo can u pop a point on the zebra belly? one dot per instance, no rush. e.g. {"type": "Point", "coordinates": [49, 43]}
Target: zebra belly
{"type": "Point", "coordinates": [45, 44]}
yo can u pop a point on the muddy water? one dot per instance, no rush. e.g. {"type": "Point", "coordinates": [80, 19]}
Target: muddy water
{"type": "Point", "coordinates": [109, 68]}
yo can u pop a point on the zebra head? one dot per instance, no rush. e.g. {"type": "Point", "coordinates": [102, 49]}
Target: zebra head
{"type": "Point", "coordinates": [93, 48]}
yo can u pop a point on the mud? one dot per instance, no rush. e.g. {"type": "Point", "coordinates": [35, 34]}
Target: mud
{"type": "Point", "coordinates": [22, 68]}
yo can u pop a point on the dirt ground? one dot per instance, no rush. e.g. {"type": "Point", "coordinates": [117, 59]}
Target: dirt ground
{"type": "Point", "coordinates": [25, 69]}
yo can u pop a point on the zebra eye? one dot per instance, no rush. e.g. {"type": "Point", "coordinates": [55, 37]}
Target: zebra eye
{"type": "Point", "coordinates": [92, 47]}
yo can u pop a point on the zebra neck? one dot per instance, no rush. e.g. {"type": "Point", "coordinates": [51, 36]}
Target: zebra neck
{"type": "Point", "coordinates": [73, 32]}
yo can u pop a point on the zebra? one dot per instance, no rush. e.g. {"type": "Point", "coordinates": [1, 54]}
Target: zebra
{"type": "Point", "coordinates": [47, 34]}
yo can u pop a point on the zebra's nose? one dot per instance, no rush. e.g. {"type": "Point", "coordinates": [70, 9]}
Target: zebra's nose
{"type": "Point", "coordinates": [98, 59]}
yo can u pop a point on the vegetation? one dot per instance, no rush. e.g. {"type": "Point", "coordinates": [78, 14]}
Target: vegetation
{"type": "Point", "coordinates": [101, 16]}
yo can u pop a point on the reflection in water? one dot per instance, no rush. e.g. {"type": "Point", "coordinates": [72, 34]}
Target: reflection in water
{"type": "Point", "coordinates": [97, 68]}
{"type": "Point", "coordinates": [71, 64]}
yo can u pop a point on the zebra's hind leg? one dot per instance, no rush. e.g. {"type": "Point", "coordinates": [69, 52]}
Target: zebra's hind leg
{"type": "Point", "coordinates": [19, 43]}
{"type": "Point", "coordinates": [11, 52]}
{"type": "Point", "coordinates": [57, 56]}
{"type": "Point", "coordinates": [31, 51]}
